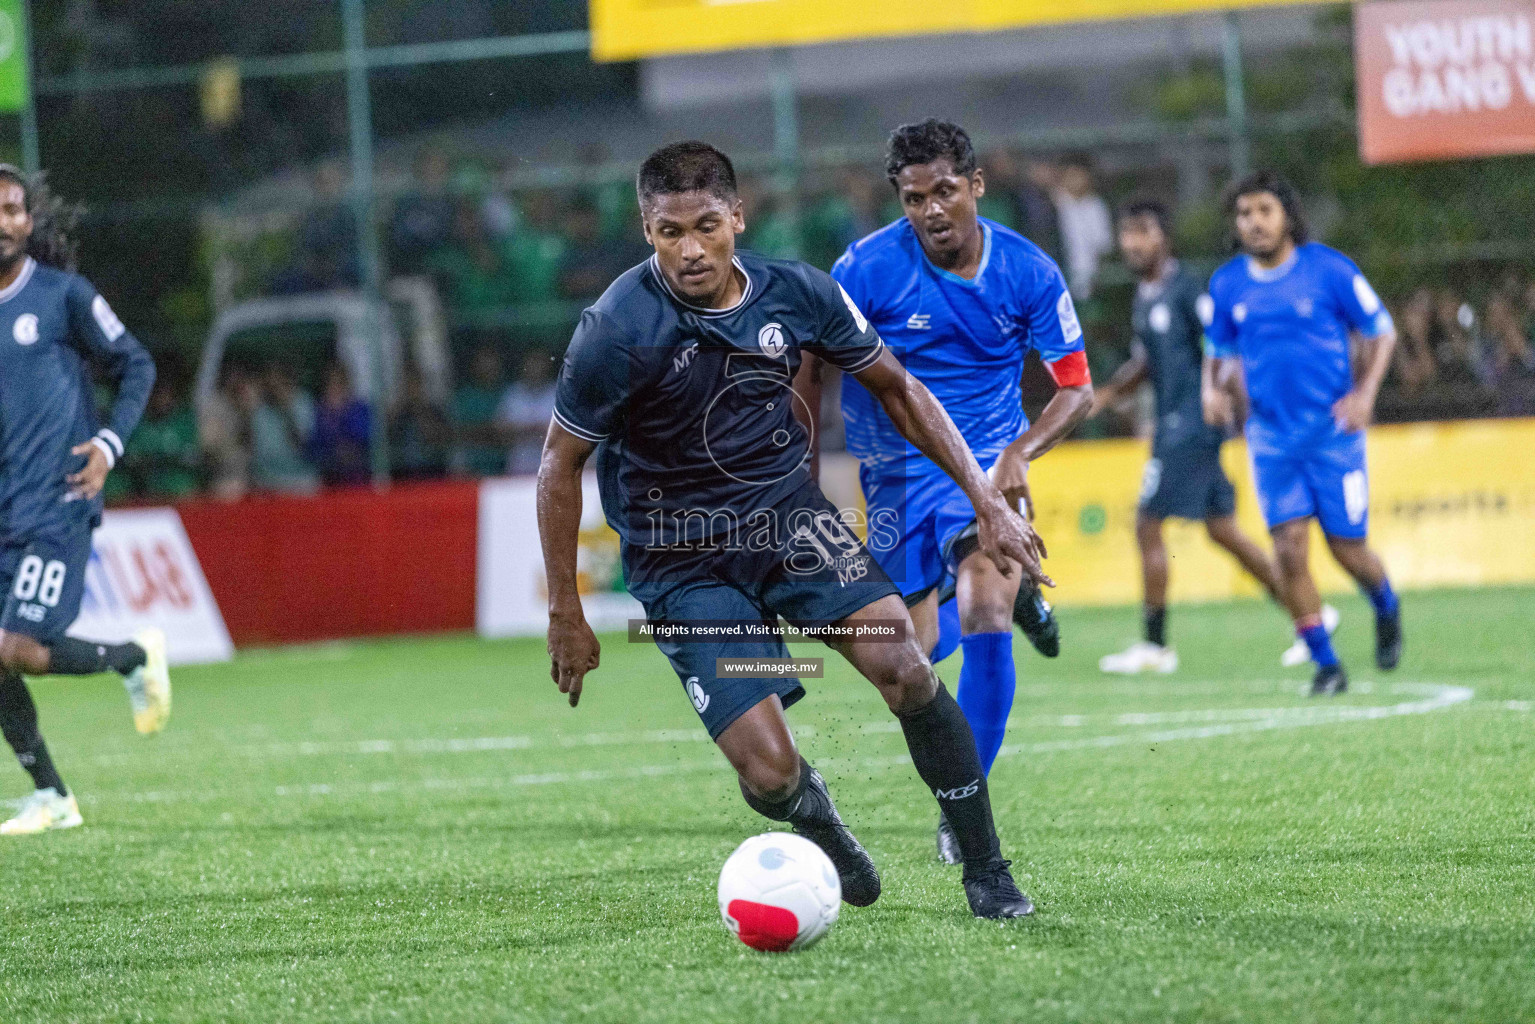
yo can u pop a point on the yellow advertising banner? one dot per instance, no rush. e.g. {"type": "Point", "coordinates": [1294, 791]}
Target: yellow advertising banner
{"type": "Point", "coordinates": [1451, 504]}
{"type": "Point", "coordinates": [631, 29]}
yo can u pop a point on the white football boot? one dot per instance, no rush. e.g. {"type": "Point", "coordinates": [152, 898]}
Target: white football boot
{"type": "Point", "coordinates": [149, 685]}
{"type": "Point", "coordinates": [1298, 653]}
{"type": "Point", "coordinates": [1141, 656]}
{"type": "Point", "coordinates": [43, 811]}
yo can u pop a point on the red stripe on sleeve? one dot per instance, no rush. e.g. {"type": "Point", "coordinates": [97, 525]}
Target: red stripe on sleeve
{"type": "Point", "coordinates": [1070, 370]}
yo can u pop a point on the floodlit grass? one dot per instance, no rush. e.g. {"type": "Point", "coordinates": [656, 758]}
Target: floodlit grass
{"type": "Point", "coordinates": [421, 830]}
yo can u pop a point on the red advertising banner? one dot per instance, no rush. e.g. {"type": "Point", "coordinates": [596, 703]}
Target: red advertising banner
{"type": "Point", "coordinates": [1444, 79]}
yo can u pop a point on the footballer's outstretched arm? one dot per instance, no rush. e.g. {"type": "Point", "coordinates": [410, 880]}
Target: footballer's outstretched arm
{"type": "Point", "coordinates": [1069, 406]}
{"type": "Point", "coordinates": [573, 647]}
{"type": "Point", "coordinates": [1004, 535]}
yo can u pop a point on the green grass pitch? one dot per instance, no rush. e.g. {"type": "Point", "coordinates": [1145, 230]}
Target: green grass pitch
{"type": "Point", "coordinates": [422, 830]}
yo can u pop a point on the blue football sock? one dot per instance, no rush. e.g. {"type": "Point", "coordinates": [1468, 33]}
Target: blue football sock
{"type": "Point", "coordinates": [948, 631]}
{"type": "Point", "coordinates": [1382, 597]}
{"type": "Point", "coordinates": [986, 684]}
{"type": "Point", "coordinates": [1320, 643]}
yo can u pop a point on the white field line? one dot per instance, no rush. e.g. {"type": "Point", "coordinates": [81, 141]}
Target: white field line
{"type": "Point", "coordinates": [1435, 697]}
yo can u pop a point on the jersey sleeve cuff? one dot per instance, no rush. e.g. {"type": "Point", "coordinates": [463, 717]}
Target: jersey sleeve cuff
{"type": "Point", "coordinates": [112, 440]}
{"type": "Point", "coordinates": [581, 432]}
{"type": "Point", "coordinates": [106, 449]}
{"type": "Point", "coordinates": [866, 362]}
{"type": "Point", "coordinates": [1070, 370]}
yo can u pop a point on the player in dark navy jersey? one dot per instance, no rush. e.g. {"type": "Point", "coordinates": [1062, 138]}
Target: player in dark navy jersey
{"type": "Point", "coordinates": [54, 458]}
{"type": "Point", "coordinates": [1184, 478]}
{"type": "Point", "coordinates": [679, 379]}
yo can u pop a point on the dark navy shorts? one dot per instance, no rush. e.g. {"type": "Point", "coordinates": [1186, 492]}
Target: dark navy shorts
{"type": "Point", "coordinates": [1187, 482]}
{"type": "Point", "coordinates": [44, 580]}
{"type": "Point", "coordinates": [814, 572]}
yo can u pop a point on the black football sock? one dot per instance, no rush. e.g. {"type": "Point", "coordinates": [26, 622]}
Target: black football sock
{"type": "Point", "coordinates": [18, 721]}
{"type": "Point", "coordinates": [806, 805]}
{"type": "Point", "coordinates": [1156, 626]}
{"type": "Point", "coordinates": [943, 749]}
{"type": "Point", "coordinates": [68, 656]}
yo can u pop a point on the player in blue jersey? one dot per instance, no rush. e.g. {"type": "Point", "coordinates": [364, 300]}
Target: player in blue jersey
{"type": "Point", "coordinates": [961, 301]}
{"type": "Point", "coordinates": [54, 458]}
{"type": "Point", "coordinates": [1288, 310]}
{"type": "Point", "coordinates": [1183, 477]}
{"type": "Point", "coordinates": [679, 379]}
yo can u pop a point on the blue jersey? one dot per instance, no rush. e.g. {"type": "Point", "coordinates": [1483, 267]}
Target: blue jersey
{"type": "Point", "coordinates": [1291, 326]}
{"type": "Point", "coordinates": [965, 340]}
{"type": "Point", "coordinates": [52, 326]}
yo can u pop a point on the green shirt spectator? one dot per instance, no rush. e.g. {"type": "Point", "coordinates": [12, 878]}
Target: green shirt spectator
{"type": "Point", "coordinates": [481, 449]}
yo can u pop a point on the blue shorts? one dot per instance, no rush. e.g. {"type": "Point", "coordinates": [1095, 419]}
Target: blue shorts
{"type": "Point", "coordinates": [44, 580]}
{"type": "Point", "coordinates": [1328, 482]}
{"type": "Point", "coordinates": [1187, 482]}
{"type": "Point", "coordinates": [815, 573]}
{"type": "Point", "coordinates": [914, 520]}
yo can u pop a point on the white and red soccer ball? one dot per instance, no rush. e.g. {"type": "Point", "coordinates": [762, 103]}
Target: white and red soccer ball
{"type": "Point", "coordinates": [779, 892]}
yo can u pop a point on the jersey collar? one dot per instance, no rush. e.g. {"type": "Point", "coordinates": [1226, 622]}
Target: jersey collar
{"type": "Point", "coordinates": [746, 293]}
{"type": "Point", "coordinates": [1148, 290]}
{"type": "Point", "coordinates": [9, 291]}
{"type": "Point", "coordinates": [1270, 274]}
{"type": "Point", "coordinates": [949, 275]}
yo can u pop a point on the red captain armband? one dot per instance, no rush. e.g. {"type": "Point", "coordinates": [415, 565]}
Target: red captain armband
{"type": "Point", "coordinates": [1070, 370]}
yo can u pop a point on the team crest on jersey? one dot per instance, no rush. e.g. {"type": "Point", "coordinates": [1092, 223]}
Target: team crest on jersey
{"type": "Point", "coordinates": [25, 331]}
{"type": "Point", "coordinates": [1239, 312]}
{"type": "Point", "coordinates": [1303, 308]}
{"type": "Point", "coordinates": [771, 340]}
{"type": "Point", "coordinates": [1161, 318]}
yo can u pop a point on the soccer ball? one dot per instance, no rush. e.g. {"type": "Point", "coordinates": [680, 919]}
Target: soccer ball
{"type": "Point", "coordinates": [779, 892]}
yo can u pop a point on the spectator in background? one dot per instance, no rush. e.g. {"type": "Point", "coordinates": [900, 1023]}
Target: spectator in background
{"type": "Point", "coordinates": [327, 256]}
{"type": "Point", "coordinates": [422, 220]}
{"type": "Point", "coordinates": [769, 230]}
{"type": "Point", "coordinates": [340, 444]}
{"type": "Point", "coordinates": [224, 425]}
{"type": "Point", "coordinates": [1087, 229]}
{"type": "Point", "coordinates": [419, 434]}
{"type": "Point", "coordinates": [1413, 361]}
{"type": "Point", "coordinates": [1456, 352]}
{"type": "Point", "coordinates": [535, 251]}
{"type": "Point", "coordinates": [471, 268]}
{"type": "Point", "coordinates": [525, 411]}
{"type": "Point", "coordinates": [280, 428]}
{"type": "Point", "coordinates": [163, 455]}
{"type": "Point", "coordinates": [1508, 365]}
{"type": "Point", "coordinates": [589, 263]}
{"type": "Point", "coordinates": [482, 451]}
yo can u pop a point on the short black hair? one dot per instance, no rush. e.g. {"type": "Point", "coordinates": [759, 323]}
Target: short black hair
{"type": "Point", "coordinates": [54, 221]}
{"type": "Point", "coordinates": [1275, 184]}
{"type": "Point", "coordinates": [926, 141]}
{"type": "Point", "coordinates": [1149, 206]}
{"type": "Point", "coordinates": [686, 167]}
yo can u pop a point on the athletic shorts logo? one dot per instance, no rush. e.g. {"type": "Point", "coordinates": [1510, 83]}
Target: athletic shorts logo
{"type": "Point", "coordinates": [696, 694]}
{"type": "Point", "coordinates": [25, 330]}
{"type": "Point", "coordinates": [959, 793]}
{"type": "Point", "coordinates": [1161, 318]}
{"type": "Point", "coordinates": [1356, 496]}
{"type": "Point", "coordinates": [1151, 479]}
{"type": "Point", "coordinates": [852, 307]}
{"type": "Point", "coordinates": [1066, 312]}
{"type": "Point", "coordinates": [771, 341]}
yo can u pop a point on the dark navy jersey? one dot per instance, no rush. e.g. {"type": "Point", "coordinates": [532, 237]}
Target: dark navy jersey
{"type": "Point", "coordinates": [52, 326]}
{"type": "Point", "coordinates": [693, 407]}
{"type": "Point", "coordinates": [1170, 333]}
